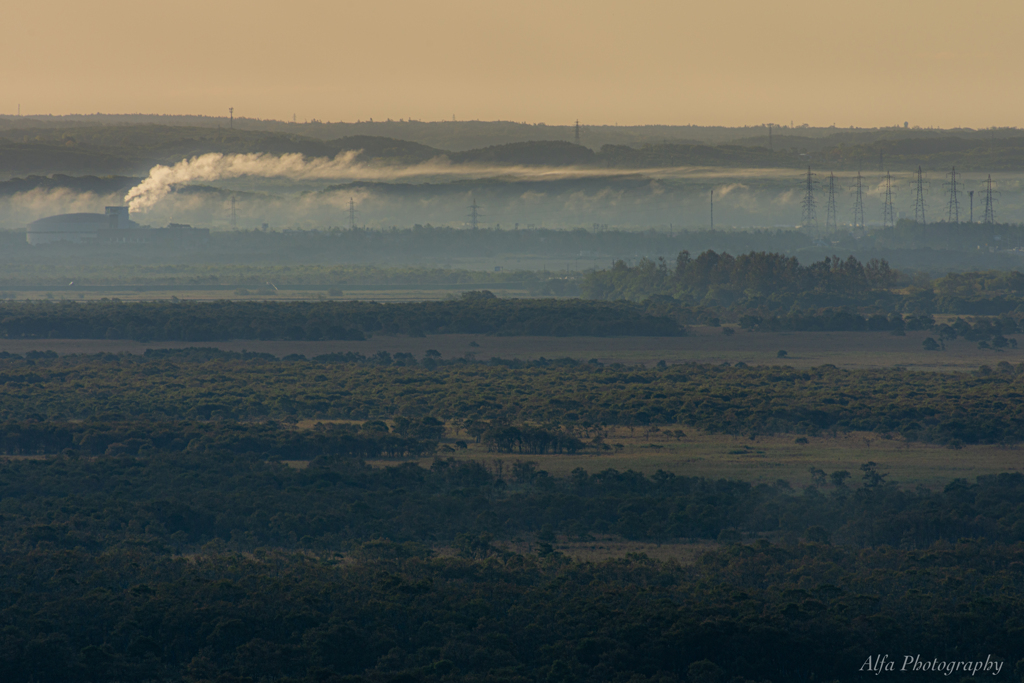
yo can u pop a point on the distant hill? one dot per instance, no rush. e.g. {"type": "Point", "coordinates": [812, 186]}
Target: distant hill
{"type": "Point", "coordinates": [668, 155]}
{"type": "Point", "coordinates": [133, 150]}
{"type": "Point", "coordinates": [384, 149]}
{"type": "Point", "coordinates": [459, 136]}
{"type": "Point", "coordinates": [24, 158]}
{"type": "Point", "coordinates": [106, 146]}
{"type": "Point", "coordinates": [536, 153]}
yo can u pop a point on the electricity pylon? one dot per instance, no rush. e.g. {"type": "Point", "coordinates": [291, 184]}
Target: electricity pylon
{"type": "Point", "coordinates": [809, 215]}
{"type": "Point", "coordinates": [990, 212]}
{"type": "Point", "coordinates": [831, 223]}
{"type": "Point", "coordinates": [919, 201]}
{"type": "Point", "coordinates": [888, 216]}
{"type": "Point", "coordinates": [953, 208]}
{"type": "Point", "coordinates": [858, 204]}
{"type": "Point", "coordinates": [474, 216]}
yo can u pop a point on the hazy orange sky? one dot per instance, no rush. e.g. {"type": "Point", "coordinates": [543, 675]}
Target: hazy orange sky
{"type": "Point", "coordinates": [865, 63]}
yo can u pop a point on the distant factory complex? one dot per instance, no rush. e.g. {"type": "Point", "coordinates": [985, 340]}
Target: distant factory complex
{"type": "Point", "coordinates": [112, 227]}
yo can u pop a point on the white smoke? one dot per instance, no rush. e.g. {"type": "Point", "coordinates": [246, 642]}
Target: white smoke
{"type": "Point", "coordinates": [211, 167]}
{"type": "Point", "coordinates": [214, 167]}
{"type": "Point", "coordinates": [784, 198]}
{"type": "Point", "coordinates": [723, 190]}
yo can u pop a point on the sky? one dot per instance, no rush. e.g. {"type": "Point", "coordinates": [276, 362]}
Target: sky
{"type": "Point", "coordinates": [729, 62]}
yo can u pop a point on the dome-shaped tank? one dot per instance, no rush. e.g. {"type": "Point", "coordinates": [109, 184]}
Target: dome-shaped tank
{"type": "Point", "coordinates": [68, 227]}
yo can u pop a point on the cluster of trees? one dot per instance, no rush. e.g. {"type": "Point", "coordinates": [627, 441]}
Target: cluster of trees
{"type": "Point", "coordinates": [505, 438]}
{"type": "Point", "coordinates": [766, 284]}
{"type": "Point", "coordinates": [945, 408]}
{"type": "Point", "coordinates": [750, 280]}
{"type": "Point", "coordinates": [477, 312]}
{"type": "Point", "coordinates": [980, 293]}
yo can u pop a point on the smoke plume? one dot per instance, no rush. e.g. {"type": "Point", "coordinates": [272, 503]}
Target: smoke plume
{"type": "Point", "coordinates": [213, 167]}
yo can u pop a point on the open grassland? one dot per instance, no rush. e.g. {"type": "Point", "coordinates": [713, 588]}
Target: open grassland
{"type": "Point", "coordinates": [852, 350]}
{"type": "Point", "coordinates": [766, 459]}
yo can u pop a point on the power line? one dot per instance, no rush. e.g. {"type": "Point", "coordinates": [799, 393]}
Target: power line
{"type": "Point", "coordinates": [831, 223]}
{"type": "Point", "coordinates": [474, 216]}
{"type": "Point", "coordinates": [809, 216]}
{"type": "Point", "coordinates": [990, 212]}
{"type": "Point", "coordinates": [919, 201]}
{"type": "Point", "coordinates": [858, 204]}
{"type": "Point", "coordinates": [888, 216]}
{"type": "Point", "coordinates": [953, 208]}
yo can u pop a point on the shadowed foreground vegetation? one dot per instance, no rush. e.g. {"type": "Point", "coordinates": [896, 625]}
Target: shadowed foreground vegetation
{"type": "Point", "coordinates": [152, 526]}
{"type": "Point", "coordinates": [96, 586]}
{"type": "Point", "coordinates": [568, 395]}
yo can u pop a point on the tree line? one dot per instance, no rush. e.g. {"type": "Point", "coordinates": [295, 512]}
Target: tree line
{"type": "Point", "coordinates": [478, 312]}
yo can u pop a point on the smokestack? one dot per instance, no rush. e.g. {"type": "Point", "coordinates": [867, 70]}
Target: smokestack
{"type": "Point", "coordinates": [118, 217]}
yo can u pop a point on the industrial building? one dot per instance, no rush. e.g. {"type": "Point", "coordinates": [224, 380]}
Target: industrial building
{"type": "Point", "coordinates": [112, 227]}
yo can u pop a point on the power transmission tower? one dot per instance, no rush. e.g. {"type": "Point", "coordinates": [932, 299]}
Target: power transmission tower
{"type": "Point", "coordinates": [888, 216]}
{"type": "Point", "coordinates": [770, 147]}
{"type": "Point", "coordinates": [577, 131]}
{"type": "Point", "coordinates": [971, 193]}
{"type": "Point", "coordinates": [953, 209]}
{"type": "Point", "coordinates": [231, 112]}
{"type": "Point", "coordinates": [858, 204]}
{"type": "Point", "coordinates": [234, 218]}
{"type": "Point", "coordinates": [474, 216]}
{"type": "Point", "coordinates": [990, 211]}
{"type": "Point", "coordinates": [919, 201]}
{"type": "Point", "coordinates": [809, 216]}
{"type": "Point", "coordinates": [351, 213]}
{"type": "Point", "coordinates": [831, 223]}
